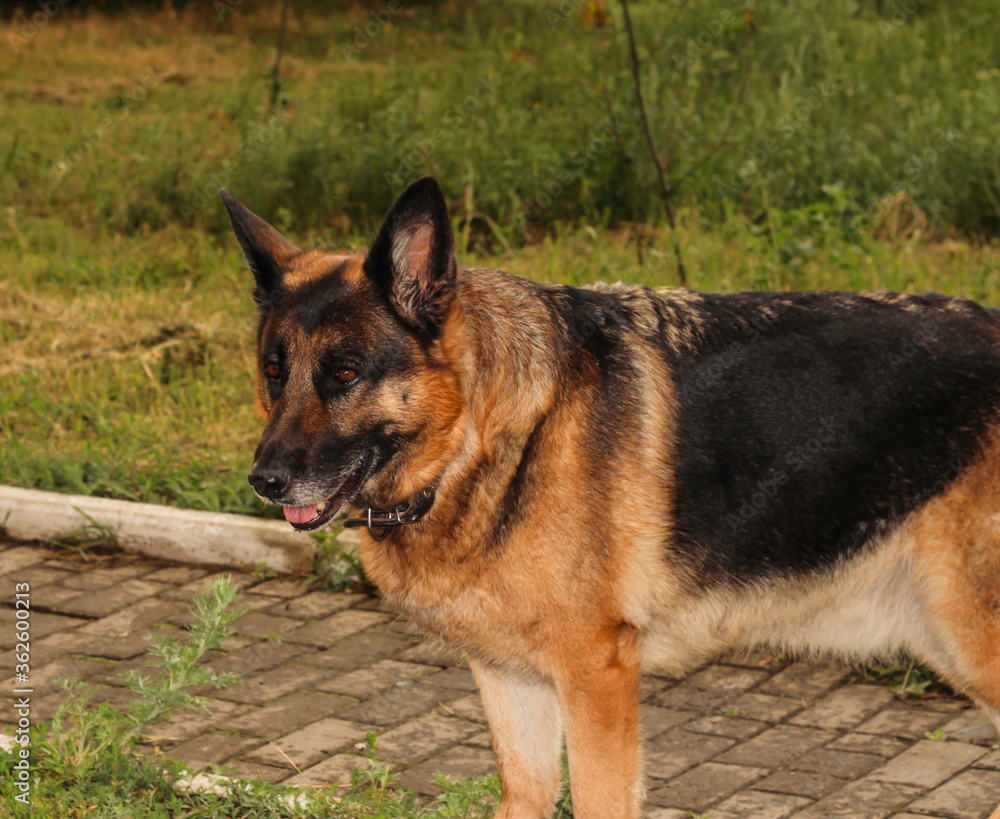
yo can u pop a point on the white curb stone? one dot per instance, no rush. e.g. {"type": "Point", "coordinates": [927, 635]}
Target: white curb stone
{"type": "Point", "coordinates": [164, 532]}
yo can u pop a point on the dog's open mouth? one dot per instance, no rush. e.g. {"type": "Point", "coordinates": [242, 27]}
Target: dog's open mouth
{"type": "Point", "coordinates": [308, 518]}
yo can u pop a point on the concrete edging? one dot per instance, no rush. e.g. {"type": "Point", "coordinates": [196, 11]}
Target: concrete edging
{"type": "Point", "coordinates": [182, 535]}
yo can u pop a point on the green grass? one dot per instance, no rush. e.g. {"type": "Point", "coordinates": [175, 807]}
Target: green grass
{"type": "Point", "coordinates": [125, 317]}
{"type": "Point", "coordinates": [505, 102]}
{"type": "Point", "coordinates": [906, 679]}
{"type": "Point", "coordinates": [125, 785]}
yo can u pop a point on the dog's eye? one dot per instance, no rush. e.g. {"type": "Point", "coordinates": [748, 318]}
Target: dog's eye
{"type": "Point", "coordinates": [272, 370]}
{"type": "Point", "coordinates": [345, 375]}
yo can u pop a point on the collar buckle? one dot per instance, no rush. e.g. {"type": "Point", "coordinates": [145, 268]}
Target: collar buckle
{"type": "Point", "coordinates": [379, 521]}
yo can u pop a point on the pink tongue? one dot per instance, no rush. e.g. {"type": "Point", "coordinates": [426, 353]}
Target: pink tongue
{"type": "Point", "coordinates": [300, 514]}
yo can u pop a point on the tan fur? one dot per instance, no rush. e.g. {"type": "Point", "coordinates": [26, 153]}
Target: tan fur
{"type": "Point", "coordinates": [312, 264]}
{"type": "Point", "coordinates": [870, 606]}
{"type": "Point", "coordinates": [958, 561]}
{"type": "Point", "coordinates": [645, 318]}
{"type": "Point", "coordinates": [526, 726]}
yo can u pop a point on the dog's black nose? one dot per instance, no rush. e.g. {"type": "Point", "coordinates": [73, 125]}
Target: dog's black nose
{"type": "Point", "coordinates": [268, 484]}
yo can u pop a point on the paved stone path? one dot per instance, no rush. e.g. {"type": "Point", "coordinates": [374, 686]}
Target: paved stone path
{"type": "Point", "coordinates": [731, 741]}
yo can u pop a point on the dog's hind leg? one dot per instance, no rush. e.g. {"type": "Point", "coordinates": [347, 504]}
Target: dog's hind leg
{"type": "Point", "coordinates": [526, 725]}
{"type": "Point", "coordinates": [598, 682]}
{"type": "Point", "coordinates": [957, 568]}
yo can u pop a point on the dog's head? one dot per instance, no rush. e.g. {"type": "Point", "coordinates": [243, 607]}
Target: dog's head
{"type": "Point", "coordinates": [361, 401]}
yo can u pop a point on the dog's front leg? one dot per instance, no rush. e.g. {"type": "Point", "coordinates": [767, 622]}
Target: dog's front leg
{"type": "Point", "coordinates": [526, 725]}
{"type": "Point", "coordinates": [598, 685]}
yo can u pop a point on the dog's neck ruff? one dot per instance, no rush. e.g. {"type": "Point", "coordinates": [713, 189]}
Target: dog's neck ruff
{"type": "Point", "coordinates": [382, 520]}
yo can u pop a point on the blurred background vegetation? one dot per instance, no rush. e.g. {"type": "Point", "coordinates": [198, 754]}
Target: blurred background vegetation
{"type": "Point", "coordinates": [838, 144]}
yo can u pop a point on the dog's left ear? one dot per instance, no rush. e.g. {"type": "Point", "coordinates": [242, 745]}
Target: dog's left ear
{"type": "Point", "coordinates": [412, 260]}
{"type": "Point", "coordinates": [268, 253]}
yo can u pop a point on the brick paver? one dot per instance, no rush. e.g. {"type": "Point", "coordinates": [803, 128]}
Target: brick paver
{"type": "Point", "coordinates": [778, 746]}
{"type": "Point", "coordinates": [801, 783]}
{"type": "Point", "coordinates": [733, 740]}
{"type": "Point", "coordinates": [969, 795]}
{"type": "Point", "coordinates": [423, 737]}
{"type": "Point", "coordinates": [675, 751]}
{"type": "Point", "coordinates": [862, 799]}
{"type": "Point", "coordinates": [884, 746]}
{"type": "Point", "coordinates": [804, 680]}
{"type": "Point", "coordinates": [843, 764]}
{"type": "Point", "coordinates": [703, 786]}
{"type": "Point", "coordinates": [14, 559]}
{"type": "Point", "coordinates": [971, 726]}
{"type": "Point", "coordinates": [927, 764]}
{"type": "Point", "coordinates": [751, 804]}
{"type": "Point", "coordinates": [335, 770]}
{"type": "Point", "coordinates": [311, 744]}
{"type": "Point", "coordinates": [287, 713]}
{"type": "Point", "coordinates": [376, 678]}
{"type": "Point", "coordinates": [845, 707]}
{"type": "Point", "coordinates": [460, 761]}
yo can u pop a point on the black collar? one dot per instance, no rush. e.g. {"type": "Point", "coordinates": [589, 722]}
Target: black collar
{"type": "Point", "coordinates": [397, 516]}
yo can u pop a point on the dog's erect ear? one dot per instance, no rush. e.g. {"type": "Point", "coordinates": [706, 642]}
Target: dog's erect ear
{"type": "Point", "coordinates": [413, 257]}
{"type": "Point", "coordinates": [268, 252]}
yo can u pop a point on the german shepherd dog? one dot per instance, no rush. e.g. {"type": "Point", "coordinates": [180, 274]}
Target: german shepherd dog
{"type": "Point", "coordinates": [571, 485]}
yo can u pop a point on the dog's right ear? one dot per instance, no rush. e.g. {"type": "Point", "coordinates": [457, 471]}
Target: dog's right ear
{"type": "Point", "coordinates": [267, 252]}
{"type": "Point", "coordinates": [412, 260]}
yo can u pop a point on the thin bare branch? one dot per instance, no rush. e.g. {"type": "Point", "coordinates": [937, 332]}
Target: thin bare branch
{"type": "Point", "coordinates": [276, 68]}
{"type": "Point", "coordinates": [666, 192]}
